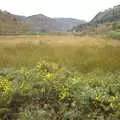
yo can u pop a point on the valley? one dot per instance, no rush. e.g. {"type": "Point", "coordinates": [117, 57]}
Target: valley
{"type": "Point", "coordinates": [60, 68]}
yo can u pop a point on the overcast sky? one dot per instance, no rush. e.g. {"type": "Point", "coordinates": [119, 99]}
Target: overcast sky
{"type": "Point", "coordinates": [81, 9]}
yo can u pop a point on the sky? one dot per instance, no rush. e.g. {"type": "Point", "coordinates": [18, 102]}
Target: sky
{"type": "Point", "coordinates": [80, 9]}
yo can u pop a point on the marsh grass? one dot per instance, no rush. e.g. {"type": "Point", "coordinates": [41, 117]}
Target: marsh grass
{"type": "Point", "coordinates": [81, 53]}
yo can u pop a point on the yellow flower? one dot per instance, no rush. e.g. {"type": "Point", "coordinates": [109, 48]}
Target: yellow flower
{"type": "Point", "coordinates": [5, 86]}
{"type": "Point", "coordinates": [63, 92]}
{"type": "Point", "coordinates": [50, 76]}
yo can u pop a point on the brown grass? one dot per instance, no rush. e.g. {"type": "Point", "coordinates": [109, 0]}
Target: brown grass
{"type": "Point", "coordinates": [83, 53]}
{"type": "Point", "coordinates": [58, 40]}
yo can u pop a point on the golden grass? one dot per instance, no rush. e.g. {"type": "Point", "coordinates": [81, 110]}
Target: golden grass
{"type": "Point", "coordinates": [83, 53]}
{"type": "Point", "coordinates": [58, 40]}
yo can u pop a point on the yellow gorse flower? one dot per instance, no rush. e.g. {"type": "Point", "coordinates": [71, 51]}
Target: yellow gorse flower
{"type": "Point", "coordinates": [5, 86]}
{"type": "Point", "coordinates": [50, 76]}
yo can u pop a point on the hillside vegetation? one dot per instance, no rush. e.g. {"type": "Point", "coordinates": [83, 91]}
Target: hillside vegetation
{"type": "Point", "coordinates": [104, 23]}
{"type": "Point", "coordinates": [112, 14]}
{"type": "Point", "coordinates": [10, 24]}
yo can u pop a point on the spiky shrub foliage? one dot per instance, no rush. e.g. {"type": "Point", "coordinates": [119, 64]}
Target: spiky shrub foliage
{"type": "Point", "coordinates": [49, 91]}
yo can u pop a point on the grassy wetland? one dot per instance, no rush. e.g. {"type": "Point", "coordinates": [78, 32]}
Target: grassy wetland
{"type": "Point", "coordinates": [82, 53]}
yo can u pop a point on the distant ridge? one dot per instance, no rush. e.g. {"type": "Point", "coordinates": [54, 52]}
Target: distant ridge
{"type": "Point", "coordinates": [10, 23]}
{"type": "Point", "coordinates": [40, 22]}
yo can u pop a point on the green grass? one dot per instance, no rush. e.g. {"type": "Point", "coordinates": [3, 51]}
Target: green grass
{"type": "Point", "coordinates": [114, 34]}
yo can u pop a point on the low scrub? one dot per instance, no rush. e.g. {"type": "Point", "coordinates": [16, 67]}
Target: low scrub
{"type": "Point", "coordinates": [49, 91]}
{"type": "Point", "coordinates": [114, 35]}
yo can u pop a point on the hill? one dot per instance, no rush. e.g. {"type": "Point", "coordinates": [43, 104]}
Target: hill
{"type": "Point", "coordinates": [10, 24]}
{"type": "Point", "coordinates": [110, 17]}
{"type": "Point", "coordinates": [42, 23]}
{"type": "Point", "coordinates": [68, 23]}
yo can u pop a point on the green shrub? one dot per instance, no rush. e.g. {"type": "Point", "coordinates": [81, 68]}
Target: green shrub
{"type": "Point", "coordinates": [114, 34]}
{"type": "Point", "coordinates": [49, 91]}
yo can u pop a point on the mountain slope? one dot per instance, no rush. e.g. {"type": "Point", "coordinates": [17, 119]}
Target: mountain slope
{"type": "Point", "coordinates": [68, 23]}
{"type": "Point", "coordinates": [110, 17]}
{"type": "Point", "coordinates": [10, 24]}
{"type": "Point", "coordinates": [40, 22]}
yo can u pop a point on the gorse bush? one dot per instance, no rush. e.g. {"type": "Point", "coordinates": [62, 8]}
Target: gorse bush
{"type": "Point", "coordinates": [5, 86]}
{"type": "Point", "coordinates": [50, 91]}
